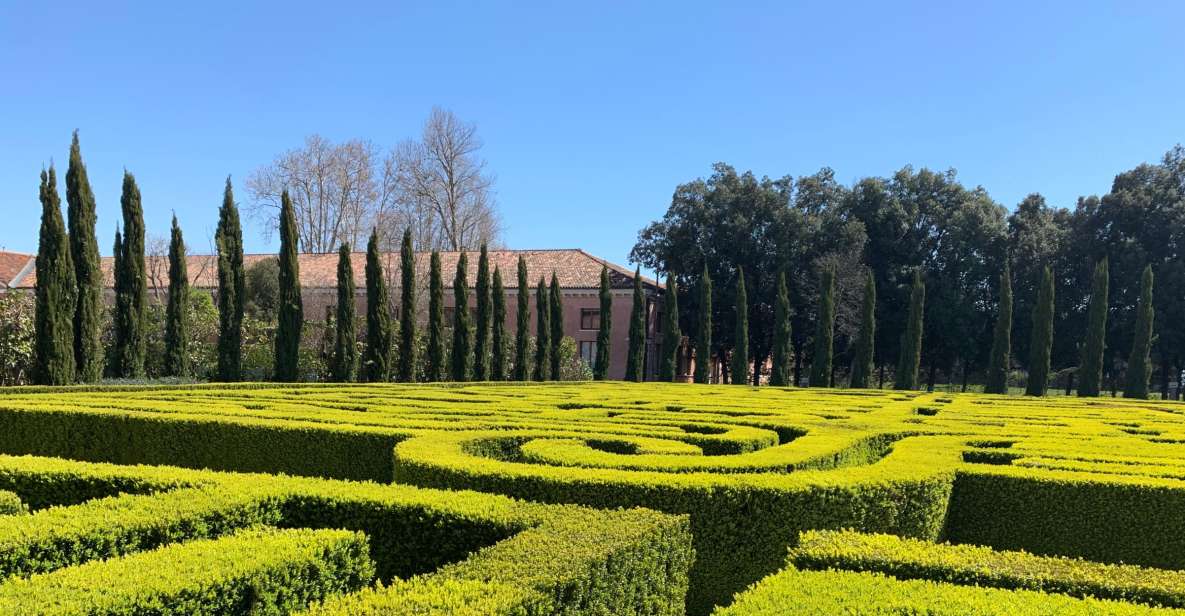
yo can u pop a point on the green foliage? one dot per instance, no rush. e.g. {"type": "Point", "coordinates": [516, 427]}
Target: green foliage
{"type": "Point", "coordinates": [636, 352]}
{"type": "Point", "coordinates": [605, 329]}
{"type": "Point", "coordinates": [408, 310]}
{"type": "Point", "coordinates": [177, 312]}
{"type": "Point", "coordinates": [263, 289]}
{"type": "Point", "coordinates": [740, 353]}
{"type": "Point", "coordinates": [54, 314]}
{"type": "Point", "coordinates": [88, 274]}
{"type": "Point", "coordinates": [18, 338]}
{"type": "Point", "coordinates": [555, 304]}
{"type": "Point", "coordinates": [228, 239]}
{"type": "Point", "coordinates": [821, 362]}
{"type": "Point", "coordinates": [290, 313]}
{"type": "Point", "coordinates": [1139, 363]}
{"type": "Point", "coordinates": [11, 504]}
{"type": "Point", "coordinates": [461, 356]}
{"type": "Point", "coordinates": [864, 352]}
{"type": "Point", "coordinates": [376, 362]}
{"type": "Point", "coordinates": [434, 371]}
{"type": "Point", "coordinates": [251, 572]}
{"type": "Point", "coordinates": [1000, 357]}
{"type": "Point", "coordinates": [779, 375]}
{"type": "Point", "coordinates": [703, 335]}
{"type": "Point", "coordinates": [1091, 371]}
{"type": "Point", "coordinates": [481, 340]}
{"type": "Point", "coordinates": [911, 338]}
{"type": "Point", "coordinates": [672, 338]}
{"type": "Point", "coordinates": [131, 286]}
{"type": "Point", "coordinates": [523, 323]}
{"type": "Point", "coordinates": [542, 367]}
{"type": "Point", "coordinates": [1042, 340]}
{"type": "Point", "coordinates": [498, 340]}
{"type": "Point", "coordinates": [345, 347]}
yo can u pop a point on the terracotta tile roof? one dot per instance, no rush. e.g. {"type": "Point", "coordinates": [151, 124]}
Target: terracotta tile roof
{"type": "Point", "coordinates": [574, 268]}
{"type": "Point", "coordinates": [13, 265]}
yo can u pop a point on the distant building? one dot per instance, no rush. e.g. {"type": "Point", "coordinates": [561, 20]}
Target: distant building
{"type": "Point", "coordinates": [578, 273]}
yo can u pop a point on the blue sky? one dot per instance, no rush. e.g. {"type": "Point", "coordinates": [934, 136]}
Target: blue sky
{"type": "Point", "coordinates": [592, 112]}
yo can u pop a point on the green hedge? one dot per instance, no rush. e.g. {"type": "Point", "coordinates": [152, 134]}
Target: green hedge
{"type": "Point", "coordinates": [11, 503]}
{"type": "Point", "coordinates": [252, 572]}
{"type": "Point", "coordinates": [1103, 518]}
{"type": "Point", "coordinates": [982, 566]}
{"type": "Point", "coordinates": [431, 596]}
{"type": "Point", "coordinates": [824, 593]}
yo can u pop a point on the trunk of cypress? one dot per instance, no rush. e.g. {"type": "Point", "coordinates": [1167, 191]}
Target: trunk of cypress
{"type": "Point", "coordinates": [407, 310]}
{"type": "Point", "coordinates": [825, 331]}
{"type": "Point", "coordinates": [740, 352]}
{"type": "Point", "coordinates": [1091, 380]}
{"type": "Point", "coordinates": [434, 371]}
{"type": "Point", "coordinates": [601, 366]}
{"type": "Point", "coordinates": [1042, 337]}
{"type": "Point", "coordinates": [671, 336]}
{"type": "Point", "coordinates": [290, 311]}
{"type": "Point", "coordinates": [1139, 363]}
{"type": "Point", "coordinates": [177, 311]}
{"type": "Point", "coordinates": [998, 361]}
{"type": "Point", "coordinates": [376, 363]}
{"type": "Point", "coordinates": [911, 340]}
{"type": "Point", "coordinates": [53, 325]}
{"type": "Point", "coordinates": [703, 336]}
{"type": "Point", "coordinates": [462, 334]}
{"type": "Point", "coordinates": [865, 351]}
{"type": "Point", "coordinates": [780, 373]}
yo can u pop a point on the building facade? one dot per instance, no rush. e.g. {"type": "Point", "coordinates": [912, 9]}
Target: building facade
{"type": "Point", "coordinates": [578, 274]}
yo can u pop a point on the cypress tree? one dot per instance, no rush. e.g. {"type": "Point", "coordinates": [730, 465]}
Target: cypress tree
{"type": "Point", "coordinates": [523, 323]}
{"type": "Point", "coordinates": [133, 302]}
{"type": "Point", "coordinates": [703, 336]}
{"type": "Point", "coordinates": [556, 302]}
{"type": "Point", "coordinates": [53, 324]}
{"type": "Point", "coordinates": [601, 364]}
{"type": "Point", "coordinates": [481, 340]}
{"type": "Point", "coordinates": [435, 368]}
{"type": "Point", "coordinates": [88, 274]}
{"type": "Point", "coordinates": [462, 334]}
{"type": "Point", "coordinates": [740, 353]}
{"type": "Point", "coordinates": [636, 354]}
{"type": "Point", "coordinates": [911, 341]}
{"type": "Point", "coordinates": [345, 346]}
{"type": "Point", "coordinates": [498, 330]}
{"type": "Point", "coordinates": [119, 315]}
{"type": "Point", "coordinates": [824, 331]}
{"type": "Point", "coordinates": [671, 336]}
{"type": "Point", "coordinates": [290, 315]}
{"type": "Point", "coordinates": [376, 363]}
{"type": "Point", "coordinates": [780, 374]}
{"type": "Point", "coordinates": [231, 288]}
{"type": "Point", "coordinates": [865, 349]}
{"type": "Point", "coordinates": [1042, 337]}
{"type": "Point", "coordinates": [997, 376]}
{"type": "Point", "coordinates": [542, 370]}
{"type": "Point", "coordinates": [1091, 378]}
{"type": "Point", "coordinates": [1139, 365]}
{"type": "Point", "coordinates": [177, 310]}
{"type": "Point", "coordinates": [407, 310]}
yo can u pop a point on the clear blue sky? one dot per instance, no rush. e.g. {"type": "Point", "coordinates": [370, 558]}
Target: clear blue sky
{"type": "Point", "coordinates": [591, 112]}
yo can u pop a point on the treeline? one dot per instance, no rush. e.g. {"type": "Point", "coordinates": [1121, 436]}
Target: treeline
{"type": "Point", "coordinates": [72, 345]}
{"type": "Point", "coordinates": [916, 279]}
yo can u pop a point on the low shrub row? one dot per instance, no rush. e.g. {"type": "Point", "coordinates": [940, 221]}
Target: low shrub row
{"type": "Point", "coordinates": [11, 503]}
{"type": "Point", "coordinates": [248, 573]}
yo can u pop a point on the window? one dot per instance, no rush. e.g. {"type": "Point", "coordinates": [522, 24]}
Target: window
{"type": "Point", "coordinates": [590, 318]}
{"type": "Point", "coordinates": [588, 351]}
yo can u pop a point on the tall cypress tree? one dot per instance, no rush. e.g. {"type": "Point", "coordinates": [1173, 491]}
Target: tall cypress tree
{"type": "Point", "coordinates": [865, 349]}
{"type": "Point", "coordinates": [1042, 337]}
{"type": "Point", "coordinates": [133, 293]}
{"type": "Point", "coordinates": [232, 292]}
{"type": "Point", "coordinates": [88, 274]}
{"type": "Point", "coordinates": [671, 336]}
{"type": "Point", "coordinates": [740, 352]}
{"type": "Point", "coordinates": [997, 375]}
{"type": "Point", "coordinates": [523, 323]}
{"type": "Point", "coordinates": [703, 335]}
{"type": "Point", "coordinates": [555, 301]}
{"type": "Point", "coordinates": [53, 324]}
{"type": "Point", "coordinates": [779, 376]}
{"type": "Point", "coordinates": [407, 310]}
{"type": "Point", "coordinates": [290, 314]}
{"type": "Point", "coordinates": [376, 362]}
{"type": "Point", "coordinates": [462, 333]}
{"type": "Point", "coordinates": [601, 364]}
{"type": "Point", "coordinates": [911, 340]}
{"type": "Point", "coordinates": [636, 354]}
{"type": "Point", "coordinates": [435, 367]}
{"type": "Point", "coordinates": [542, 371]}
{"type": "Point", "coordinates": [481, 338]}
{"type": "Point", "coordinates": [498, 330]}
{"type": "Point", "coordinates": [824, 331]}
{"type": "Point", "coordinates": [1139, 364]}
{"type": "Point", "coordinates": [177, 309]}
{"type": "Point", "coordinates": [1091, 377]}
{"type": "Point", "coordinates": [119, 316]}
{"type": "Point", "coordinates": [345, 345]}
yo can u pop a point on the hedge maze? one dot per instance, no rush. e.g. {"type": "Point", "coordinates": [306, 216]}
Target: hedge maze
{"type": "Point", "coordinates": [595, 498]}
